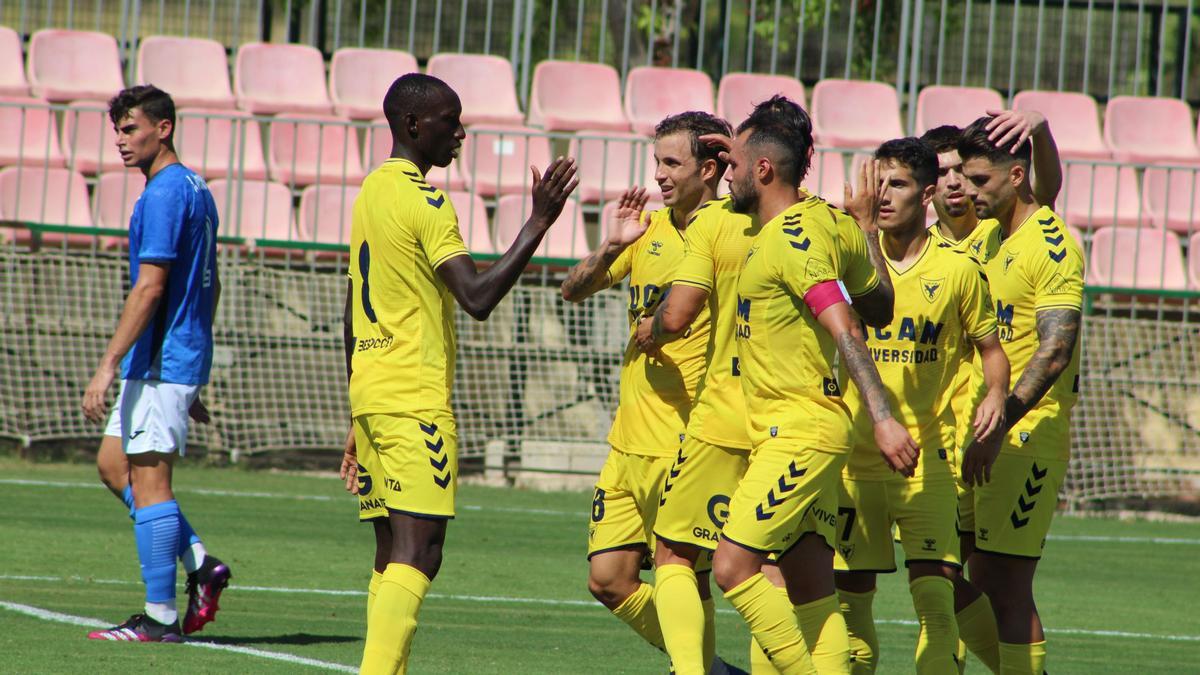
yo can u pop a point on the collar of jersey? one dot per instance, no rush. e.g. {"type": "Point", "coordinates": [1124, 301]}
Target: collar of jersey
{"type": "Point", "coordinates": [920, 256]}
{"type": "Point", "coordinates": [1032, 216]}
{"type": "Point", "coordinates": [401, 160]}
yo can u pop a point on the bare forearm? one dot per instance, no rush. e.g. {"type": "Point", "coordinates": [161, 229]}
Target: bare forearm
{"type": "Point", "coordinates": [140, 306]}
{"type": "Point", "coordinates": [591, 274]}
{"type": "Point", "coordinates": [995, 371]}
{"type": "Point", "coordinates": [348, 330]}
{"type": "Point", "coordinates": [876, 308]}
{"type": "Point", "coordinates": [1047, 167]}
{"type": "Point", "coordinates": [1057, 330]}
{"type": "Point", "coordinates": [866, 377]}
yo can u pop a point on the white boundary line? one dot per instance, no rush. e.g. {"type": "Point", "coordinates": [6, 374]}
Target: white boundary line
{"type": "Point", "coordinates": [566, 603]}
{"type": "Point", "coordinates": [47, 615]}
{"type": "Point", "coordinates": [543, 512]}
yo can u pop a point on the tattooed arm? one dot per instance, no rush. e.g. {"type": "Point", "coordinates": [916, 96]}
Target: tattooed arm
{"type": "Point", "coordinates": [590, 276]}
{"type": "Point", "coordinates": [1057, 329]}
{"type": "Point", "coordinates": [875, 307]}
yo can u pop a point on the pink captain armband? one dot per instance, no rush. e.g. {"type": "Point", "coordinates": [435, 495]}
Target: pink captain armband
{"type": "Point", "coordinates": [825, 295]}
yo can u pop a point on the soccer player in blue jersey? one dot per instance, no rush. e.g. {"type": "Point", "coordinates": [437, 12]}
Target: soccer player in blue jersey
{"type": "Point", "coordinates": [162, 348]}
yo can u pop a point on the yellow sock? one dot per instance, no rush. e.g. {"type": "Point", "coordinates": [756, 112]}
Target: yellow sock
{"type": "Point", "coordinates": [393, 620]}
{"type": "Point", "coordinates": [937, 643]}
{"type": "Point", "coordinates": [372, 589]}
{"type": "Point", "coordinates": [977, 629]}
{"type": "Point", "coordinates": [681, 617]}
{"type": "Point", "coordinates": [825, 632]}
{"type": "Point", "coordinates": [960, 656]}
{"type": "Point", "coordinates": [759, 663]}
{"type": "Point", "coordinates": [638, 613]}
{"type": "Point", "coordinates": [860, 623]}
{"type": "Point", "coordinates": [1022, 659]}
{"type": "Point", "coordinates": [772, 623]}
{"type": "Point", "coordinates": [710, 631]}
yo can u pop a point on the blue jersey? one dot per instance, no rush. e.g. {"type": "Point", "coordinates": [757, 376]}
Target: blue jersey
{"type": "Point", "coordinates": [175, 222]}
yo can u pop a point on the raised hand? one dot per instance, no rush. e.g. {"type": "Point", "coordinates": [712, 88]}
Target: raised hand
{"type": "Point", "coordinates": [1014, 127]}
{"type": "Point", "coordinates": [630, 221]}
{"type": "Point", "coordinates": [863, 203]}
{"type": "Point", "coordinates": [551, 189]}
{"type": "Point", "coordinates": [721, 142]}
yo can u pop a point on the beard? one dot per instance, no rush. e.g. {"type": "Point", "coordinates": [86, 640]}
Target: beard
{"type": "Point", "coordinates": [743, 198]}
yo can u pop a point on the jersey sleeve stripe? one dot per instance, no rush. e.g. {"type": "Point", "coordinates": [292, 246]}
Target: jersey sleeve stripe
{"type": "Point", "coordinates": [1059, 305]}
{"type": "Point", "coordinates": [868, 290]}
{"type": "Point", "coordinates": [438, 263]}
{"type": "Point", "coordinates": [694, 283]}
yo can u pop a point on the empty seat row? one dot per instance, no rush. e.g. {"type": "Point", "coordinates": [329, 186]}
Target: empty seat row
{"type": "Point", "coordinates": [1143, 259]}
{"type": "Point", "coordinates": [1098, 195]}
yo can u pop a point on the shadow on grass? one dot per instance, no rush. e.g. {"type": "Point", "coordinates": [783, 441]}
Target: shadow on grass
{"type": "Point", "coordinates": [288, 639]}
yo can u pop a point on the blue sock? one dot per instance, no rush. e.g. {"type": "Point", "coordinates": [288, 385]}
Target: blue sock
{"type": "Point", "coordinates": [187, 536]}
{"type": "Point", "coordinates": [127, 497]}
{"type": "Point", "coordinates": [156, 529]}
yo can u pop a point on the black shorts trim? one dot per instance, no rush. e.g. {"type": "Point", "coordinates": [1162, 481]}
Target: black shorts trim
{"type": "Point", "coordinates": [710, 549]}
{"type": "Point", "coordinates": [372, 519]}
{"type": "Point", "coordinates": [891, 571]}
{"type": "Point", "coordinates": [962, 533]}
{"type": "Point", "coordinates": [998, 554]}
{"type": "Point", "coordinates": [797, 543]}
{"type": "Point", "coordinates": [763, 551]}
{"type": "Point", "coordinates": [414, 514]}
{"type": "Point", "coordinates": [622, 547]}
{"type": "Point", "coordinates": [943, 563]}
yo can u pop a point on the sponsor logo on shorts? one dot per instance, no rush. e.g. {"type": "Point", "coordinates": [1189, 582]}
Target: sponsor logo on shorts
{"type": "Point", "coordinates": [706, 534]}
{"type": "Point", "coordinates": [370, 504]}
{"type": "Point", "coordinates": [847, 551]}
{"type": "Point", "coordinates": [137, 433]}
{"type": "Point", "coordinates": [364, 481]}
{"type": "Point", "coordinates": [392, 484]}
{"type": "Point", "coordinates": [824, 516]}
{"type": "Point", "coordinates": [930, 545]}
{"type": "Point", "coordinates": [718, 510]}
{"type": "Point", "coordinates": [983, 534]}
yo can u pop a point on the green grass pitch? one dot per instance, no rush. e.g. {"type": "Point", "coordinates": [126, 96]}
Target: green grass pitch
{"type": "Point", "coordinates": [1118, 597]}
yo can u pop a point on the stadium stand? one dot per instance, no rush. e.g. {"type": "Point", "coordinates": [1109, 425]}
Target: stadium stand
{"type": "Point", "coordinates": [70, 65]}
{"type": "Point", "coordinates": [12, 64]}
{"type": "Point", "coordinates": [253, 209]}
{"type": "Point", "coordinates": [938, 105]}
{"type": "Point", "coordinates": [1171, 198]}
{"type": "Point", "coordinates": [572, 96]}
{"type": "Point", "coordinates": [567, 239]}
{"type": "Point", "coordinates": [44, 195]}
{"type": "Point", "coordinates": [1095, 196]}
{"type": "Point", "coordinates": [89, 139]}
{"type": "Point", "coordinates": [28, 133]}
{"type": "Point", "coordinates": [359, 78]}
{"type": "Point", "coordinates": [1143, 258]}
{"type": "Point", "coordinates": [484, 84]}
{"type": "Point", "coordinates": [1194, 261]}
{"type": "Point", "coordinates": [278, 78]}
{"type": "Point", "coordinates": [1150, 129]}
{"type": "Point", "coordinates": [826, 176]}
{"type": "Point", "coordinates": [379, 147]}
{"type": "Point", "coordinates": [325, 212]}
{"type": "Point", "coordinates": [608, 163]}
{"type": "Point", "coordinates": [496, 159]}
{"type": "Point", "coordinates": [307, 149]}
{"type": "Point", "coordinates": [194, 71]}
{"type": "Point", "coordinates": [652, 93]}
{"type": "Point", "coordinates": [473, 222]}
{"type": "Point", "coordinates": [855, 114]}
{"type": "Point", "coordinates": [1073, 120]}
{"type": "Point", "coordinates": [113, 199]}
{"type": "Point", "coordinates": [738, 93]}
{"type": "Point", "coordinates": [220, 143]}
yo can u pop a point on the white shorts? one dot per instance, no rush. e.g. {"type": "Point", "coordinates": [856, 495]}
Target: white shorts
{"type": "Point", "coordinates": [151, 416]}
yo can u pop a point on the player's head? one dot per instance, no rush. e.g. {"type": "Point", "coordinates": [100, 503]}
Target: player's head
{"type": "Point", "coordinates": [909, 171]}
{"type": "Point", "coordinates": [423, 113]}
{"type": "Point", "coordinates": [144, 119]}
{"type": "Point", "coordinates": [772, 150]}
{"type": "Point", "coordinates": [993, 174]}
{"type": "Point", "coordinates": [683, 166]}
{"type": "Point", "coordinates": [950, 200]}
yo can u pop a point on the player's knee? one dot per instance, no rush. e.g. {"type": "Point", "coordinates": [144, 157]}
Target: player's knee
{"type": "Point", "coordinates": [730, 570]}
{"type": "Point", "coordinates": [609, 590]}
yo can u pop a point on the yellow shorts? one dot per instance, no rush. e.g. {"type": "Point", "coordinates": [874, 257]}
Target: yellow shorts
{"type": "Point", "coordinates": [625, 503]}
{"type": "Point", "coordinates": [965, 494]}
{"type": "Point", "coordinates": [790, 489]}
{"type": "Point", "coordinates": [407, 463]}
{"type": "Point", "coordinates": [695, 497]}
{"type": "Point", "coordinates": [921, 510]}
{"type": "Point", "coordinates": [1014, 509]}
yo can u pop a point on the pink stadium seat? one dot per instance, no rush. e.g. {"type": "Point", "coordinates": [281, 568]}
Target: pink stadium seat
{"type": "Point", "coordinates": [855, 114]}
{"type": "Point", "coordinates": [1097, 196]}
{"type": "Point", "coordinates": [566, 239]}
{"type": "Point", "coordinates": [307, 149]}
{"type": "Point", "coordinates": [89, 139]}
{"type": "Point", "coordinates": [473, 222]}
{"type": "Point", "coordinates": [571, 95]}
{"type": "Point", "coordinates": [484, 84]}
{"type": "Point", "coordinates": [738, 93]}
{"type": "Point", "coordinates": [379, 148]}
{"type": "Point", "coordinates": [608, 163]}
{"type": "Point", "coordinates": [253, 209]}
{"type": "Point", "coordinates": [1194, 261]}
{"type": "Point", "coordinates": [47, 196]}
{"type": "Point", "coordinates": [275, 78]}
{"type": "Point", "coordinates": [938, 105]}
{"type": "Point", "coordinates": [12, 64]}
{"type": "Point", "coordinates": [496, 160]}
{"type": "Point", "coordinates": [114, 196]}
{"type": "Point", "coordinates": [1073, 121]}
{"type": "Point", "coordinates": [359, 79]}
{"type": "Point", "coordinates": [608, 214]}
{"type": "Point", "coordinates": [1172, 197]}
{"type": "Point", "coordinates": [325, 213]}
{"type": "Point", "coordinates": [69, 65]}
{"type": "Point", "coordinates": [826, 177]}
{"type": "Point", "coordinates": [1145, 258]}
{"type": "Point", "coordinates": [652, 93]}
{"type": "Point", "coordinates": [1147, 129]}
{"type": "Point", "coordinates": [220, 143]}
{"type": "Point", "coordinates": [194, 71]}
{"type": "Point", "coordinates": [28, 134]}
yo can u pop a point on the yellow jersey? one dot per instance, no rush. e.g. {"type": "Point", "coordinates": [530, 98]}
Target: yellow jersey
{"type": "Point", "coordinates": [1039, 267]}
{"type": "Point", "coordinates": [979, 243]}
{"type": "Point", "coordinates": [942, 306]}
{"type": "Point", "coordinates": [786, 356]}
{"type": "Point", "coordinates": [401, 230]}
{"type": "Point", "coordinates": [717, 240]}
{"type": "Point", "coordinates": [657, 392]}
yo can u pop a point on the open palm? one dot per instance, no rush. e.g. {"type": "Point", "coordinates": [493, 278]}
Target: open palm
{"type": "Point", "coordinates": [630, 224]}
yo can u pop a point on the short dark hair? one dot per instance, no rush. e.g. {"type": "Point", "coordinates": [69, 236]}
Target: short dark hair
{"type": "Point", "coordinates": [782, 123]}
{"type": "Point", "coordinates": [942, 139]}
{"type": "Point", "coordinates": [411, 93]}
{"type": "Point", "coordinates": [696, 124]}
{"type": "Point", "coordinates": [154, 103]}
{"type": "Point", "coordinates": [915, 154]}
{"type": "Point", "coordinates": [974, 142]}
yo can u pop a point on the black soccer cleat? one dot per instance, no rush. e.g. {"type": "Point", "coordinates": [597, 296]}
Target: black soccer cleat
{"type": "Point", "coordinates": [139, 628]}
{"type": "Point", "coordinates": [204, 588]}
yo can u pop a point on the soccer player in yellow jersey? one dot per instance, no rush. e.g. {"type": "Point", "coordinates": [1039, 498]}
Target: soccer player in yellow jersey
{"type": "Point", "coordinates": [657, 391]}
{"type": "Point", "coordinates": [408, 265]}
{"type": "Point", "coordinates": [943, 310]}
{"type": "Point", "coordinates": [793, 317]}
{"type": "Point", "coordinates": [1036, 279]}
